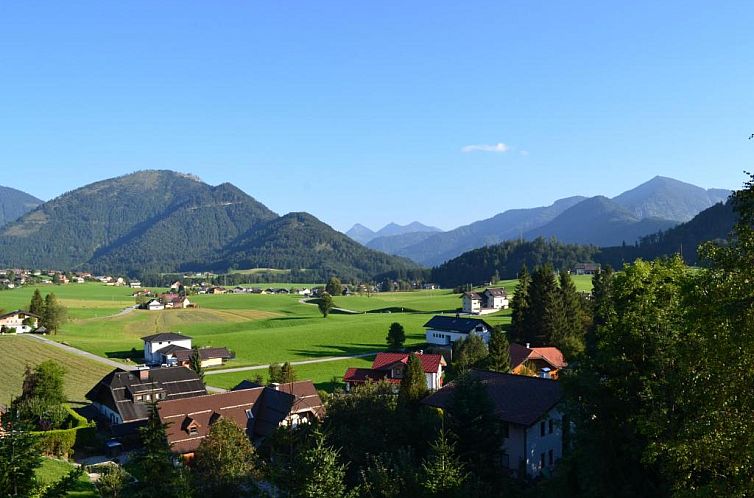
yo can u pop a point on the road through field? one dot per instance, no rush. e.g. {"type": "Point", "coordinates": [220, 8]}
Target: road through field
{"type": "Point", "coordinates": [79, 352]}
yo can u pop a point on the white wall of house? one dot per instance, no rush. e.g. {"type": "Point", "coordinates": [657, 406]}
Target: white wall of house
{"type": "Point", "coordinates": [151, 349]}
{"type": "Point", "coordinates": [16, 321]}
{"type": "Point", "coordinates": [212, 362]}
{"type": "Point", "coordinates": [529, 445]}
{"type": "Point", "coordinates": [471, 305]}
{"type": "Point", "coordinates": [434, 379]}
{"type": "Point", "coordinates": [445, 338]}
{"type": "Point", "coordinates": [499, 302]}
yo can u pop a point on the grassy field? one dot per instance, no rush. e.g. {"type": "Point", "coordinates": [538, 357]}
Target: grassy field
{"type": "Point", "coordinates": [18, 351]}
{"type": "Point", "coordinates": [53, 470]}
{"type": "Point", "coordinates": [320, 373]}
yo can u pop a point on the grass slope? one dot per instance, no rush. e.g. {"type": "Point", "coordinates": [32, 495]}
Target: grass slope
{"type": "Point", "coordinates": [52, 470]}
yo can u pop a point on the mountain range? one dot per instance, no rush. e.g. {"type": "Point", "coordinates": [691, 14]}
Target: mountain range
{"type": "Point", "coordinates": [14, 204]}
{"type": "Point", "coordinates": [656, 205]}
{"type": "Point", "coordinates": [363, 235]}
{"type": "Point", "coordinates": [163, 221]}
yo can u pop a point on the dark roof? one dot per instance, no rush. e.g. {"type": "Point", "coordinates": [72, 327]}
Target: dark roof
{"type": "Point", "coordinates": [16, 312]}
{"type": "Point", "coordinates": [496, 292]}
{"type": "Point", "coordinates": [472, 295]}
{"type": "Point", "coordinates": [173, 348]}
{"type": "Point", "coordinates": [246, 384]}
{"type": "Point", "coordinates": [164, 336]}
{"type": "Point", "coordinates": [118, 388]}
{"type": "Point", "coordinates": [518, 399]}
{"type": "Point", "coordinates": [363, 375]}
{"type": "Point", "coordinates": [183, 354]}
{"type": "Point", "coordinates": [455, 324]}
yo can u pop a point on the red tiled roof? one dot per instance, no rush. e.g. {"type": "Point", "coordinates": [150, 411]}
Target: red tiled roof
{"type": "Point", "coordinates": [362, 375]}
{"type": "Point", "coordinates": [520, 354]}
{"type": "Point", "coordinates": [430, 362]}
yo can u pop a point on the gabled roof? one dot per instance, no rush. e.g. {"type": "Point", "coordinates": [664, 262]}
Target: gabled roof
{"type": "Point", "coordinates": [430, 362]}
{"type": "Point", "coordinates": [497, 292]}
{"type": "Point", "coordinates": [520, 354]}
{"type": "Point", "coordinates": [16, 312]}
{"type": "Point", "coordinates": [117, 389]}
{"type": "Point", "coordinates": [472, 295]}
{"type": "Point", "coordinates": [518, 399]}
{"type": "Point", "coordinates": [184, 354]}
{"type": "Point", "coordinates": [455, 324]}
{"type": "Point", "coordinates": [165, 336]}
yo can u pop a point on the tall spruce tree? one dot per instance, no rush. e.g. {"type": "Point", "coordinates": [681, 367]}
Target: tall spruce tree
{"type": "Point", "coordinates": [498, 359]}
{"type": "Point", "coordinates": [37, 304]}
{"type": "Point", "coordinates": [55, 314]}
{"type": "Point", "coordinates": [195, 363]}
{"type": "Point", "coordinates": [159, 476]}
{"type": "Point", "coordinates": [443, 473]}
{"type": "Point", "coordinates": [520, 306]}
{"type": "Point", "coordinates": [544, 317]}
{"type": "Point", "coordinates": [319, 471]}
{"type": "Point", "coordinates": [570, 337]}
{"type": "Point", "coordinates": [413, 384]}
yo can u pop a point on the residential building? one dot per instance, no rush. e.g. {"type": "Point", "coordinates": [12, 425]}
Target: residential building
{"type": "Point", "coordinates": [529, 410]}
{"type": "Point", "coordinates": [19, 320]}
{"type": "Point", "coordinates": [257, 410]}
{"type": "Point", "coordinates": [544, 361]}
{"type": "Point", "coordinates": [122, 398]}
{"type": "Point", "coordinates": [390, 367]}
{"type": "Point", "coordinates": [171, 349]}
{"type": "Point", "coordinates": [155, 305]}
{"type": "Point", "coordinates": [155, 345]}
{"type": "Point", "coordinates": [489, 301]}
{"type": "Point", "coordinates": [586, 268]}
{"type": "Point", "coordinates": [445, 330]}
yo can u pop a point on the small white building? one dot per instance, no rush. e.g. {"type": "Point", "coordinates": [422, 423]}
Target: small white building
{"type": "Point", "coordinates": [472, 303]}
{"type": "Point", "coordinates": [445, 330]}
{"type": "Point", "coordinates": [15, 321]}
{"type": "Point", "coordinates": [153, 344]}
{"type": "Point", "coordinates": [529, 410]}
{"type": "Point", "coordinates": [155, 305]}
{"type": "Point", "coordinates": [489, 301]}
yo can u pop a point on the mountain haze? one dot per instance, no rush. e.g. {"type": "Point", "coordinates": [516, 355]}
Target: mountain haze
{"type": "Point", "coordinates": [14, 204]}
{"type": "Point", "coordinates": [363, 235]}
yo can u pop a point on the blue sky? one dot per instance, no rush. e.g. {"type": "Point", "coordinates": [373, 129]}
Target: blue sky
{"type": "Point", "coordinates": [443, 112]}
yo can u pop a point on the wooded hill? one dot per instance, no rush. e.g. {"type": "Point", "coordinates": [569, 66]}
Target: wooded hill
{"type": "Point", "coordinates": [163, 221]}
{"type": "Point", "coordinates": [14, 204]}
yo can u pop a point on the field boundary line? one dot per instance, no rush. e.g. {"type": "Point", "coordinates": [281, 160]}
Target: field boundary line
{"type": "Point", "coordinates": [293, 363]}
{"type": "Point", "coordinates": [78, 352]}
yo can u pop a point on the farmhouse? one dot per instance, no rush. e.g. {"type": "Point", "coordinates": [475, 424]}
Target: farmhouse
{"type": "Point", "coordinates": [257, 410]}
{"type": "Point", "coordinates": [528, 407]}
{"type": "Point", "coordinates": [586, 268]}
{"type": "Point", "coordinates": [545, 361]}
{"type": "Point", "coordinates": [155, 305]}
{"type": "Point", "coordinates": [489, 301]}
{"type": "Point", "coordinates": [19, 320]}
{"type": "Point", "coordinates": [390, 366]}
{"type": "Point", "coordinates": [169, 348]}
{"type": "Point", "coordinates": [445, 330]}
{"type": "Point", "coordinates": [122, 398]}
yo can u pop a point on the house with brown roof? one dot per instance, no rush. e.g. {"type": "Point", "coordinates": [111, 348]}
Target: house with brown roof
{"type": "Point", "coordinates": [19, 321]}
{"type": "Point", "coordinates": [389, 367]}
{"type": "Point", "coordinates": [529, 410]}
{"type": "Point", "coordinates": [257, 410]}
{"type": "Point", "coordinates": [543, 361]}
{"type": "Point", "coordinates": [122, 398]}
{"type": "Point", "coordinates": [170, 348]}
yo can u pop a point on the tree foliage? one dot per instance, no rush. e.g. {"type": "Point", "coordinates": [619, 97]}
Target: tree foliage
{"type": "Point", "coordinates": [396, 336]}
{"type": "Point", "coordinates": [443, 473]}
{"type": "Point", "coordinates": [319, 471]}
{"type": "Point", "coordinates": [159, 477]}
{"type": "Point", "coordinates": [325, 304]}
{"type": "Point", "coordinates": [498, 359]}
{"type": "Point", "coordinates": [225, 461]}
{"type": "Point", "coordinates": [334, 286]}
{"type": "Point", "coordinates": [19, 458]}
{"type": "Point", "coordinates": [413, 386]}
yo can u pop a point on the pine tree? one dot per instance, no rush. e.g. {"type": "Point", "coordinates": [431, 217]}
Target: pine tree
{"type": "Point", "coordinates": [159, 475]}
{"type": "Point", "coordinates": [54, 313]}
{"type": "Point", "coordinates": [195, 363]}
{"type": "Point", "coordinates": [570, 338]}
{"type": "Point", "coordinates": [544, 317]}
{"type": "Point", "coordinates": [469, 353]}
{"type": "Point", "coordinates": [396, 336]}
{"type": "Point", "coordinates": [413, 384]}
{"type": "Point", "coordinates": [37, 304]}
{"type": "Point", "coordinates": [520, 306]}
{"type": "Point", "coordinates": [498, 359]}
{"type": "Point", "coordinates": [225, 461]}
{"type": "Point", "coordinates": [443, 473]}
{"type": "Point", "coordinates": [319, 472]}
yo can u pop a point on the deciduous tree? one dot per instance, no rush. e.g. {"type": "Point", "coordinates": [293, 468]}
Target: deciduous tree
{"type": "Point", "coordinates": [325, 304]}
{"type": "Point", "coordinates": [225, 461]}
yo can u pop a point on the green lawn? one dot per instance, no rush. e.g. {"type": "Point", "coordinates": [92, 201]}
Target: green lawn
{"type": "Point", "coordinates": [53, 470]}
{"type": "Point", "coordinates": [18, 351]}
{"type": "Point", "coordinates": [320, 373]}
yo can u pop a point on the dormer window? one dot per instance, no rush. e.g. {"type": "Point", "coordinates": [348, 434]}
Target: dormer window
{"type": "Point", "coordinates": [193, 431]}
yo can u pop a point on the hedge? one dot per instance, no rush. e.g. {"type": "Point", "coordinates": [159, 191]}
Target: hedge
{"type": "Point", "coordinates": [60, 442]}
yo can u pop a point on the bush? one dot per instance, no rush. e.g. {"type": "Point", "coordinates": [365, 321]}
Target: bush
{"type": "Point", "coordinates": [60, 443]}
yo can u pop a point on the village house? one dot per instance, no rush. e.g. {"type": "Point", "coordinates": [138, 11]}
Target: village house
{"type": "Point", "coordinates": [445, 330]}
{"type": "Point", "coordinates": [489, 301]}
{"type": "Point", "coordinates": [586, 268]}
{"type": "Point", "coordinates": [172, 349]}
{"type": "Point", "coordinates": [257, 410]}
{"type": "Point", "coordinates": [134, 284]}
{"type": "Point", "coordinates": [389, 367]}
{"type": "Point", "coordinates": [532, 420]}
{"type": "Point", "coordinates": [544, 361]}
{"type": "Point", "coordinates": [155, 305]}
{"type": "Point", "coordinates": [122, 399]}
{"type": "Point", "coordinates": [20, 321]}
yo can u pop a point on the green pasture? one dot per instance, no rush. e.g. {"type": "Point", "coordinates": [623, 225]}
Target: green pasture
{"type": "Point", "coordinates": [18, 351]}
{"type": "Point", "coordinates": [87, 300]}
{"type": "Point", "coordinates": [321, 374]}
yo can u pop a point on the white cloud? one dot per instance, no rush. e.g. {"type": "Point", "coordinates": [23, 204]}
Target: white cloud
{"type": "Point", "coordinates": [499, 147]}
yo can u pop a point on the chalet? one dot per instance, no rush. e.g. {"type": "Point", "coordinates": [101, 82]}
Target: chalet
{"type": "Point", "coordinates": [489, 301]}
{"type": "Point", "coordinates": [216, 290]}
{"type": "Point", "coordinates": [122, 399]}
{"type": "Point", "coordinates": [390, 367]}
{"type": "Point", "coordinates": [177, 302]}
{"type": "Point", "coordinates": [586, 268]}
{"type": "Point", "coordinates": [134, 284]}
{"type": "Point", "coordinates": [545, 361]}
{"type": "Point", "coordinates": [175, 286]}
{"type": "Point", "coordinates": [529, 410]}
{"type": "Point", "coordinates": [169, 348]}
{"type": "Point", "coordinates": [445, 330]}
{"type": "Point", "coordinates": [155, 305]}
{"type": "Point", "coordinates": [257, 410]}
{"type": "Point", "coordinates": [19, 320]}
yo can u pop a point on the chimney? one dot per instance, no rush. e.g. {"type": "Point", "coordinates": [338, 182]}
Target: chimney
{"type": "Point", "coordinates": [143, 372]}
{"type": "Point", "coordinates": [527, 345]}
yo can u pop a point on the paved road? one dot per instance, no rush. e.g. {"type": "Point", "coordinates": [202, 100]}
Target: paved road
{"type": "Point", "coordinates": [294, 363]}
{"type": "Point", "coordinates": [85, 354]}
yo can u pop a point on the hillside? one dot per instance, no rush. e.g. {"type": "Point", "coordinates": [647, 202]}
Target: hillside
{"type": "Point", "coordinates": [301, 241]}
{"type": "Point", "coordinates": [393, 244]}
{"type": "Point", "coordinates": [598, 221]}
{"type": "Point", "coordinates": [163, 221]}
{"type": "Point", "coordinates": [14, 204]}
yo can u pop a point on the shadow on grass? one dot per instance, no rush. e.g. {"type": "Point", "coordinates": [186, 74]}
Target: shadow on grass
{"type": "Point", "coordinates": [339, 350]}
{"type": "Point", "coordinates": [133, 354]}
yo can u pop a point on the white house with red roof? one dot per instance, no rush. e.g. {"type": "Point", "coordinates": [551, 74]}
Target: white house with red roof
{"type": "Point", "coordinates": [390, 367]}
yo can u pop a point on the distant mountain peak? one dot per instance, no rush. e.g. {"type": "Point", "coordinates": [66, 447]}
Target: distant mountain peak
{"type": "Point", "coordinates": [364, 235]}
{"type": "Point", "coordinates": [15, 203]}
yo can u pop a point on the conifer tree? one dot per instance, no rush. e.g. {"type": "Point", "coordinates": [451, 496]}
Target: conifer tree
{"type": "Point", "coordinates": [413, 384]}
{"type": "Point", "coordinates": [54, 314]}
{"type": "Point", "coordinates": [287, 373]}
{"type": "Point", "coordinates": [37, 304]}
{"type": "Point", "coordinates": [544, 316]}
{"type": "Point", "coordinates": [195, 363]}
{"type": "Point", "coordinates": [19, 458]}
{"type": "Point", "coordinates": [570, 338]}
{"type": "Point", "coordinates": [225, 461]}
{"type": "Point", "coordinates": [520, 306]}
{"type": "Point", "coordinates": [498, 359]}
{"type": "Point", "coordinates": [159, 475]}
{"type": "Point", "coordinates": [469, 353]}
{"type": "Point", "coordinates": [443, 473]}
{"type": "Point", "coordinates": [319, 472]}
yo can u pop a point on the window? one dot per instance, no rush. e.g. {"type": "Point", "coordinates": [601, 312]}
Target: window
{"type": "Point", "coordinates": [193, 431]}
{"type": "Point", "coordinates": [549, 457]}
{"type": "Point", "coordinates": [249, 414]}
{"type": "Point", "coordinates": [552, 423]}
{"type": "Point", "coordinates": [542, 429]}
{"type": "Point", "coordinates": [541, 460]}
{"type": "Point", "coordinates": [147, 397]}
